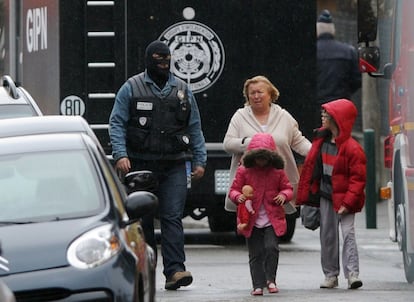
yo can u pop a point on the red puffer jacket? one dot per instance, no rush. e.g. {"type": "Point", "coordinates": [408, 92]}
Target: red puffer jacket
{"type": "Point", "coordinates": [349, 171]}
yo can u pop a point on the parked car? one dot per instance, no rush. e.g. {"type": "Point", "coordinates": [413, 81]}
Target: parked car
{"type": "Point", "coordinates": [15, 101]}
{"type": "Point", "coordinates": [68, 228]}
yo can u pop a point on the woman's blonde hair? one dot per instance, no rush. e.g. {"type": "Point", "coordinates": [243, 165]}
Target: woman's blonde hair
{"type": "Point", "coordinates": [274, 92]}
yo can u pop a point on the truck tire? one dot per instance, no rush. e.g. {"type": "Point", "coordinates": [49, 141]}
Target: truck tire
{"type": "Point", "coordinates": [408, 258]}
{"type": "Point", "coordinates": [401, 222]}
{"type": "Point", "coordinates": [220, 220]}
{"type": "Point", "coordinates": [290, 230]}
{"type": "Point", "coordinates": [408, 266]}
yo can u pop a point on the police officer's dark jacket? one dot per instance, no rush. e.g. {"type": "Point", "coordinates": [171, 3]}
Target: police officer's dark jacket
{"type": "Point", "coordinates": [158, 125]}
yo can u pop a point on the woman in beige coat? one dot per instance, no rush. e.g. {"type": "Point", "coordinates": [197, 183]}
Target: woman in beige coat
{"type": "Point", "coordinates": [261, 114]}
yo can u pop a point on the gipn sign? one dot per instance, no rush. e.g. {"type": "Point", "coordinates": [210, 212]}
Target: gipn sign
{"type": "Point", "coordinates": [197, 54]}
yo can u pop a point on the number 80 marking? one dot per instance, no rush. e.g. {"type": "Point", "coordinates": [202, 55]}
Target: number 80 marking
{"type": "Point", "coordinates": [72, 105]}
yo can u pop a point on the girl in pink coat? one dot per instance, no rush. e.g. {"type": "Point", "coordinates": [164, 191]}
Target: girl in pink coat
{"type": "Point", "coordinates": [263, 170]}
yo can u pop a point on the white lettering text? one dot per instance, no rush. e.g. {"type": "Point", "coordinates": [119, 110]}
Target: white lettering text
{"type": "Point", "coordinates": [36, 29]}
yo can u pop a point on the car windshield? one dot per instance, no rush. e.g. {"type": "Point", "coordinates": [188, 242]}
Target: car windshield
{"type": "Point", "coordinates": [16, 110]}
{"type": "Point", "coordinates": [48, 185]}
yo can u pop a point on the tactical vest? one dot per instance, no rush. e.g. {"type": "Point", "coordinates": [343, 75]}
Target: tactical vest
{"type": "Point", "coordinates": [158, 125]}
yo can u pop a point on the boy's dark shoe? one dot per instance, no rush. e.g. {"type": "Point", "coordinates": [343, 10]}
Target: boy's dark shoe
{"type": "Point", "coordinates": [178, 279]}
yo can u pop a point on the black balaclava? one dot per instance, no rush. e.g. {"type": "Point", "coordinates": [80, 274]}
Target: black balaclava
{"type": "Point", "coordinates": [157, 74]}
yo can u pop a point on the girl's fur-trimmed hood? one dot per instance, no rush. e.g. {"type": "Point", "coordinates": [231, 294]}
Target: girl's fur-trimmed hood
{"type": "Point", "coordinates": [263, 146]}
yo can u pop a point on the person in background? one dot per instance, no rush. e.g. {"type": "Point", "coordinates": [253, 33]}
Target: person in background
{"type": "Point", "coordinates": [261, 114]}
{"type": "Point", "coordinates": [154, 122]}
{"type": "Point", "coordinates": [263, 169]}
{"type": "Point", "coordinates": [335, 169]}
{"type": "Point", "coordinates": [338, 74]}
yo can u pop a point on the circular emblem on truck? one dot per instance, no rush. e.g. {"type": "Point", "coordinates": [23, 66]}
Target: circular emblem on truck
{"type": "Point", "coordinates": [197, 54]}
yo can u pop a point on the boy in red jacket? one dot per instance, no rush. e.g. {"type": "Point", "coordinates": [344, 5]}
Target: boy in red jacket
{"type": "Point", "coordinates": [335, 170]}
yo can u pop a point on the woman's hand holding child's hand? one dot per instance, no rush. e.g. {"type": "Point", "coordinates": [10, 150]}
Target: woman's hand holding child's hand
{"type": "Point", "coordinates": [280, 199]}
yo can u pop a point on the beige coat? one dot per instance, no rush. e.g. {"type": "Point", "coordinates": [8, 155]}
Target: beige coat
{"type": "Point", "coordinates": [285, 131]}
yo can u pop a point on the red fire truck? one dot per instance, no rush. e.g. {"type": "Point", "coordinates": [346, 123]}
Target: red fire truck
{"type": "Point", "coordinates": [396, 32]}
{"type": "Point", "coordinates": [73, 55]}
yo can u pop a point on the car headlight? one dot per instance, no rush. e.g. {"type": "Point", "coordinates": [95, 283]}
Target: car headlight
{"type": "Point", "coordinates": [94, 247]}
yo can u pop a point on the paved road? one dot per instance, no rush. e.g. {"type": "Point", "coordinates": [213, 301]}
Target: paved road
{"type": "Point", "coordinates": [219, 264]}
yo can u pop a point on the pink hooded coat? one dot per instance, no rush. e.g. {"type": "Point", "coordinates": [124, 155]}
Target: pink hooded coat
{"type": "Point", "coordinates": [268, 182]}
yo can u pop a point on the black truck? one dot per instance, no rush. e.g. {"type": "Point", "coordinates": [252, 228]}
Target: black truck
{"type": "Point", "coordinates": [73, 55]}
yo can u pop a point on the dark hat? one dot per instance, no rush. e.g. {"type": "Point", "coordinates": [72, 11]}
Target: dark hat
{"type": "Point", "coordinates": [324, 24]}
{"type": "Point", "coordinates": [325, 17]}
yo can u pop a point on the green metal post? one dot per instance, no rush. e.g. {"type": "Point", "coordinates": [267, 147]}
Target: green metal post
{"type": "Point", "coordinates": [370, 189]}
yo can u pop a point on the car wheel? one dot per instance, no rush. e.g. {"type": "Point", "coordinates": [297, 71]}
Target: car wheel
{"type": "Point", "coordinates": [145, 282]}
{"type": "Point", "coordinates": [151, 280]}
{"type": "Point", "coordinates": [148, 277]}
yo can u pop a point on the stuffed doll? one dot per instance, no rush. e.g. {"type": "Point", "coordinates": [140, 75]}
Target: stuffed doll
{"type": "Point", "coordinates": [245, 209]}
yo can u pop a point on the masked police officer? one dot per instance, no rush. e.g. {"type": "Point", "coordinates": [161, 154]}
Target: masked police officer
{"type": "Point", "coordinates": [155, 121]}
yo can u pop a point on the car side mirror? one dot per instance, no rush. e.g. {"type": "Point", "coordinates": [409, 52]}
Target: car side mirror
{"type": "Point", "coordinates": [140, 203]}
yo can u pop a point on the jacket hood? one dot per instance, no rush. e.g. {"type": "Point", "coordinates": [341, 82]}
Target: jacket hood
{"type": "Point", "coordinates": [344, 113]}
{"type": "Point", "coordinates": [262, 145]}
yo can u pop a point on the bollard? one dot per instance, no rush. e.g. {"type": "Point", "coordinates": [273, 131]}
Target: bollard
{"type": "Point", "coordinates": [370, 190]}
